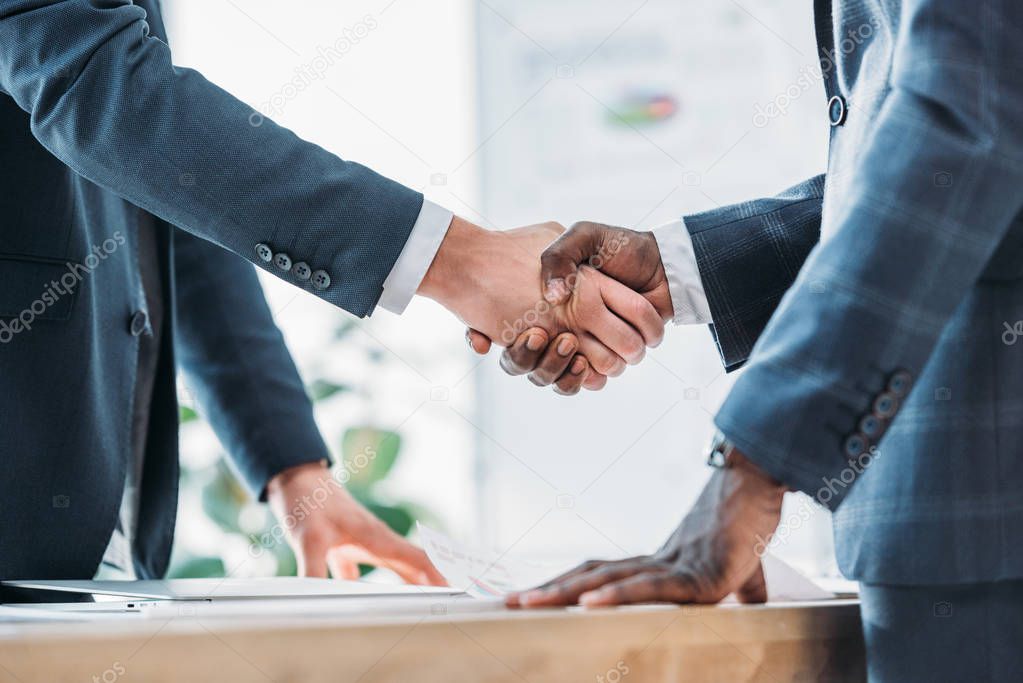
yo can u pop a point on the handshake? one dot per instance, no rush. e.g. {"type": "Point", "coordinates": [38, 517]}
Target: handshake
{"type": "Point", "coordinates": [571, 307]}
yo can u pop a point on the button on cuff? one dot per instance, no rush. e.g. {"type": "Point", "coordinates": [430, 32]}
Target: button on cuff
{"type": "Point", "coordinates": [321, 280]}
{"type": "Point", "coordinates": [283, 262]}
{"type": "Point", "coordinates": [264, 252]}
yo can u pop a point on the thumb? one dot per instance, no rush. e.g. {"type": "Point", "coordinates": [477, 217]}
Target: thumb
{"type": "Point", "coordinates": [755, 588]}
{"type": "Point", "coordinates": [559, 262]}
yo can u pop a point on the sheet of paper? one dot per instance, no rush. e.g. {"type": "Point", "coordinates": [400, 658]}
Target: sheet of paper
{"type": "Point", "coordinates": [489, 574]}
{"type": "Point", "coordinates": [231, 588]}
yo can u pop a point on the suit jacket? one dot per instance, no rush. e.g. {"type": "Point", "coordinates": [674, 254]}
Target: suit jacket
{"type": "Point", "coordinates": [98, 128]}
{"type": "Point", "coordinates": [883, 371]}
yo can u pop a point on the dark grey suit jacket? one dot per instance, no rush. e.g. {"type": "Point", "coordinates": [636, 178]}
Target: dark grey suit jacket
{"type": "Point", "coordinates": [97, 127]}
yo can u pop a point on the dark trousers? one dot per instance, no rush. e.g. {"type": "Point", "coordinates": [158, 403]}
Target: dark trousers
{"type": "Point", "coordinates": [971, 633]}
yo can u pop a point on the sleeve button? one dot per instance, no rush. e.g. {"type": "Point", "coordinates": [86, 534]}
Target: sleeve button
{"type": "Point", "coordinates": [264, 253]}
{"type": "Point", "coordinates": [282, 261]}
{"type": "Point", "coordinates": [855, 445]}
{"type": "Point", "coordinates": [871, 426]}
{"type": "Point", "coordinates": [885, 406]}
{"type": "Point", "coordinates": [899, 383]}
{"type": "Point", "coordinates": [321, 280]}
{"type": "Point", "coordinates": [302, 270]}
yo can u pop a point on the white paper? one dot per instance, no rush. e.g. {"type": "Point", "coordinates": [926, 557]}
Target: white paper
{"type": "Point", "coordinates": [491, 574]}
{"type": "Point", "coordinates": [232, 588]}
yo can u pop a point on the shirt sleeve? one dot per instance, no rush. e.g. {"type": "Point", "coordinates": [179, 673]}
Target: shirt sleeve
{"type": "Point", "coordinates": [688, 299]}
{"type": "Point", "coordinates": [415, 259]}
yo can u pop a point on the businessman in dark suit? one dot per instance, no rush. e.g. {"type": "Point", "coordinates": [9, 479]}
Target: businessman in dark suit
{"type": "Point", "coordinates": [127, 185]}
{"type": "Point", "coordinates": [876, 309]}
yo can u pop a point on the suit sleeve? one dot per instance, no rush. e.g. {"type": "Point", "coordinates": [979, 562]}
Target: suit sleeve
{"type": "Point", "coordinates": [105, 98]}
{"type": "Point", "coordinates": [235, 361]}
{"type": "Point", "coordinates": [901, 251]}
{"type": "Point", "coordinates": [749, 255]}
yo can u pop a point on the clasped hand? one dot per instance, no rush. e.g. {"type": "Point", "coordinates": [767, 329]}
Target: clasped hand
{"type": "Point", "coordinates": [607, 297]}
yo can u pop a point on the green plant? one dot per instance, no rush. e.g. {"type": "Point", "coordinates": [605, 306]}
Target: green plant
{"type": "Point", "coordinates": [367, 456]}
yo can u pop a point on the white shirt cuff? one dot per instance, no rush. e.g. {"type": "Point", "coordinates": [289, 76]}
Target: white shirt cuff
{"type": "Point", "coordinates": [415, 259]}
{"type": "Point", "coordinates": [688, 300]}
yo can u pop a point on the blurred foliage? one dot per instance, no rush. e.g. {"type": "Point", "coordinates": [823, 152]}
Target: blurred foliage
{"type": "Point", "coordinates": [368, 455]}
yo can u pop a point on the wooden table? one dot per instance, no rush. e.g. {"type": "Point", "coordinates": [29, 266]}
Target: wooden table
{"type": "Point", "coordinates": [730, 643]}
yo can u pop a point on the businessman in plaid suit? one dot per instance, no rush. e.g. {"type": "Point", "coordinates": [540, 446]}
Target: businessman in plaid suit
{"type": "Point", "coordinates": [875, 310]}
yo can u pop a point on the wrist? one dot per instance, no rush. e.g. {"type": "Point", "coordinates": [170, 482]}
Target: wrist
{"type": "Point", "coordinates": [284, 479]}
{"type": "Point", "coordinates": [455, 272]}
{"type": "Point", "coordinates": [757, 479]}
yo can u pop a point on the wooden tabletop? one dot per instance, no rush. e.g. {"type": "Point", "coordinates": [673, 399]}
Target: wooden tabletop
{"type": "Point", "coordinates": [784, 642]}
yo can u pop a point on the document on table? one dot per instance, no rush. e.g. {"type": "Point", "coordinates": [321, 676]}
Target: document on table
{"type": "Point", "coordinates": [278, 587]}
{"type": "Point", "coordinates": [490, 574]}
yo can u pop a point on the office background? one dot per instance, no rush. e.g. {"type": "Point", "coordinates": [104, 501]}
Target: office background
{"type": "Point", "coordinates": [511, 112]}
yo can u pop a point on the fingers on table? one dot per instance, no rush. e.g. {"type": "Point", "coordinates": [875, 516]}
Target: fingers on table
{"type": "Point", "coordinates": [651, 586]}
{"type": "Point", "coordinates": [567, 591]}
{"type": "Point", "coordinates": [406, 560]}
{"type": "Point", "coordinates": [341, 565]}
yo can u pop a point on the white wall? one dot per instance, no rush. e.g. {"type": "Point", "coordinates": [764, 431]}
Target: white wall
{"type": "Point", "coordinates": [402, 101]}
{"type": "Point", "coordinates": [612, 473]}
{"type": "Point", "coordinates": [503, 463]}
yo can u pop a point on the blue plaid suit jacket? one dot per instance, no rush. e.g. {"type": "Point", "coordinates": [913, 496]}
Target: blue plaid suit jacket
{"type": "Point", "coordinates": [876, 307]}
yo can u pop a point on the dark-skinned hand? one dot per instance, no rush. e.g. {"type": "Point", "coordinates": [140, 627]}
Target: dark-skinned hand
{"type": "Point", "coordinates": [633, 258]}
{"type": "Point", "coordinates": [713, 553]}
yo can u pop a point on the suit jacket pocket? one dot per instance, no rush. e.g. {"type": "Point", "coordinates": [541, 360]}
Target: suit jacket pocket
{"type": "Point", "coordinates": [37, 288]}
